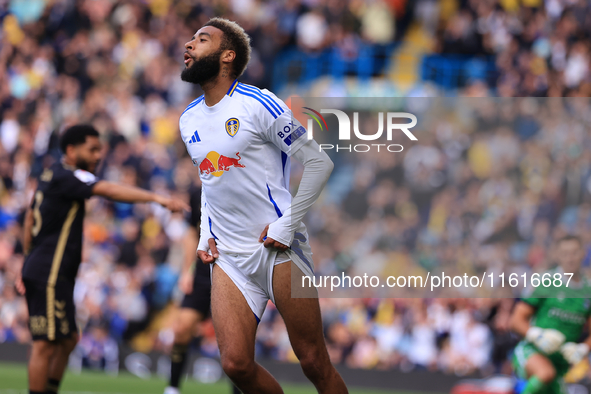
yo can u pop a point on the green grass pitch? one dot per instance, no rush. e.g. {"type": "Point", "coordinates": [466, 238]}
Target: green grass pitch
{"type": "Point", "coordinates": [13, 380]}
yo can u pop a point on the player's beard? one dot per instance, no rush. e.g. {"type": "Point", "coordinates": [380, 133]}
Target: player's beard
{"type": "Point", "coordinates": [204, 69]}
{"type": "Point", "coordinates": [84, 165]}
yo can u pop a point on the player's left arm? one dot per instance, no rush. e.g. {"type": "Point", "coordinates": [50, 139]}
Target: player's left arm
{"type": "Point", "coordinates": [317, 170]}
{"type": "Point", "coordinates": [207, 250]}
{"type": "Point", "coordinates": [287, 134]}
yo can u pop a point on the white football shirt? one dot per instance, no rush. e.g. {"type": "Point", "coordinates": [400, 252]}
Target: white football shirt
{"type": "Point", "coordinates": [242, 147]}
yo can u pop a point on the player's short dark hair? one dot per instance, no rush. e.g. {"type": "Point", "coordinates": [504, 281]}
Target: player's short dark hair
{"type": "Point", "coordinates": [236, 39]}
{"type": "Point", "coordinates": [570, 237]}
{"type": "Point", "coordinates": [76, 135]}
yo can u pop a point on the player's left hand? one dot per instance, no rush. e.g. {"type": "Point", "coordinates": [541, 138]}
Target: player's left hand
{"type": "Point", "coordinates": [574, 353]}
{"type": "Point", "coordinates": [20, 286]}
{"type": "Point", "coordinates": [270, 242]}
{"type": "Point", "coordinates": [548, 340]}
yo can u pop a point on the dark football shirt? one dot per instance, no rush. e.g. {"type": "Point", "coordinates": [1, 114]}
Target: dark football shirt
{"type": "Point", "coordinates": [194, 218]}
{"type": "Point", "coordinates": [58, 212]}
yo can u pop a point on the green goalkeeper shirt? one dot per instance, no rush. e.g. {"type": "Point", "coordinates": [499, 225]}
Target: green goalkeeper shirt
{"type": "Point", "coordinates": [562, 308]}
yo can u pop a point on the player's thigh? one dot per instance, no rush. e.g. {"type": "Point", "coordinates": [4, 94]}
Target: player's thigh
{"type": "Point", "coordinates": [301, 315]}
{"type": "Point", "coordinates": [233, 320]}
{"type": "Point", "coordinates": [185, 322]}
{"type": "Point", "coordinates": [42, 349]}
{"type": "Point", "coordinates": [67, 344]}
{"type": "Point", "coordinates": [540, 366]}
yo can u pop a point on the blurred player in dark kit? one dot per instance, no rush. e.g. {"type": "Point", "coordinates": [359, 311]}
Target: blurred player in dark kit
{"type": "Point", "coordinates": [53, 245]}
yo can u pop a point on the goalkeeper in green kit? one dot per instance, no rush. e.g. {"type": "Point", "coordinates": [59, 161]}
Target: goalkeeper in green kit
{"type": "Point", "coordinates": [551, 321]}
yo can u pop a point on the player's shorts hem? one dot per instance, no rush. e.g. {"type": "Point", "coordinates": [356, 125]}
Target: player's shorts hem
{"type": "Point", "coordinates": [199, 300]}
{"type": "Point", "coordinates": [256, 310]}
{"type": "Point", "coordinates": [52, 313]}
{"type": "Point", "coordinates": [58, 338]}
{"type": "Point", "coordinates": [282, 257]}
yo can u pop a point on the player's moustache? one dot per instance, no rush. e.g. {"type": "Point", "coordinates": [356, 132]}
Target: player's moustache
{"type": "Point", "coordinates": [203, 70]}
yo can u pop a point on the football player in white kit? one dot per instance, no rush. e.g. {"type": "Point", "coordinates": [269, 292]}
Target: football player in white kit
{"type": "Point", "coordinates": [241, 138]}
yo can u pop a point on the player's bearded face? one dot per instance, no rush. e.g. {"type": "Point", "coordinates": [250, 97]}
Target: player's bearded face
{"type": "Point", "coordinates": [204, 69]}
{"type": "Point", "coordinates": [88, 154]}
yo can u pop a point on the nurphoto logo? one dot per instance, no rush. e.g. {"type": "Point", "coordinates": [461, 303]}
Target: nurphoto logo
{"type": "Point", "coordinates": [391, 125]}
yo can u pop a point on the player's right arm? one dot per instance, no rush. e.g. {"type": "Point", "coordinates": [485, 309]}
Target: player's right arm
{"type": "Point", "coordinates": [28, 230]}
{"type": "Point", "coordinates": [547, 340]}
{"type": "Point", "coordinates": [521, 317]}
{"type": "Point", "coordinates": [131, 194]}
{"type": "Point", "coordinates": [27, 239]}
{"type": "Point", "coordinates": [207, 250]}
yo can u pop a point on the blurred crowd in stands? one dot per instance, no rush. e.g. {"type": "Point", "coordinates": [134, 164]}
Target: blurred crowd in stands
{"type": "Point", "coordinates": [542, 48]}
{"type": "Point", "coordinates": [491, 187]}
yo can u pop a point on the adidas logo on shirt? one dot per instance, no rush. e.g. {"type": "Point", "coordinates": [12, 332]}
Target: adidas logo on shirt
{"type": "Point", "coordinates": [194, 138]}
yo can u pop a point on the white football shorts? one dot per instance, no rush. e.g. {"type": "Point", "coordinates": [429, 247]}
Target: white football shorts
{"type": "Point", "coordinates": [253, 273]}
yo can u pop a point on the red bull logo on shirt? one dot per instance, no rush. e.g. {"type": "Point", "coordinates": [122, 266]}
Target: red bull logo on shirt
{"type": "Point", "coordinates": [216, 164]}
